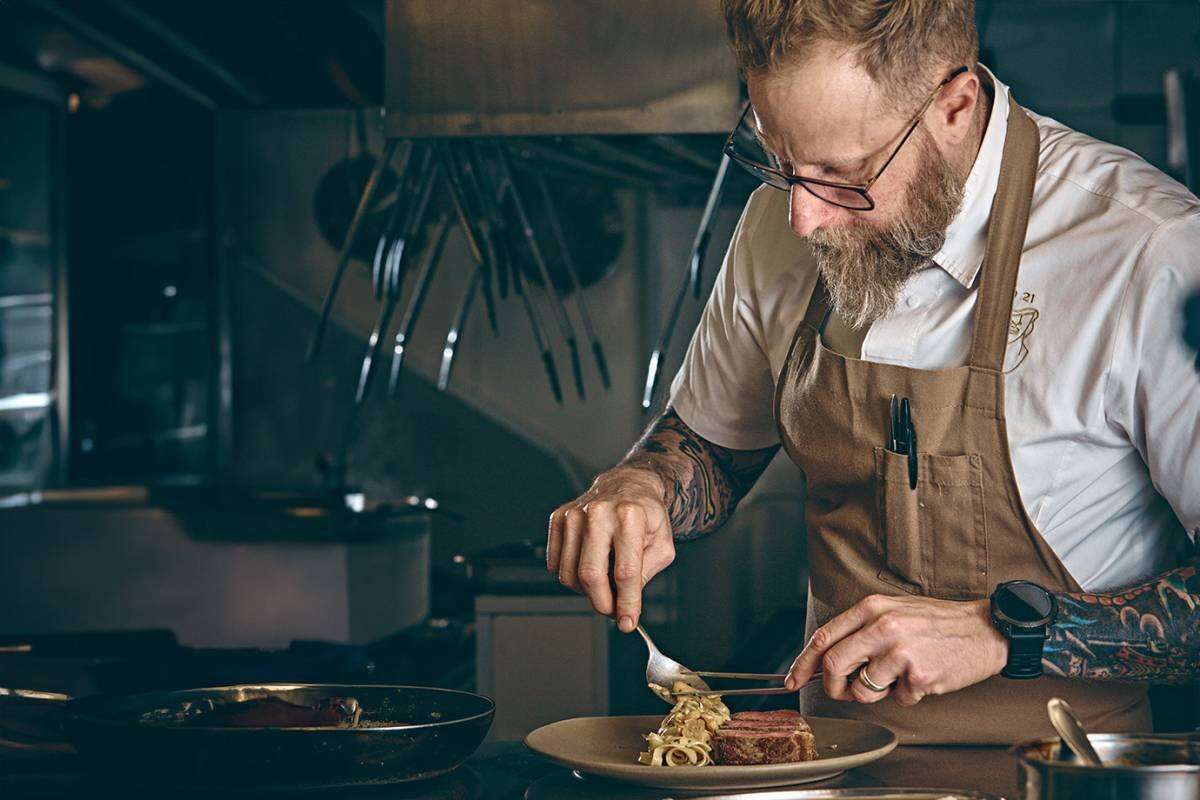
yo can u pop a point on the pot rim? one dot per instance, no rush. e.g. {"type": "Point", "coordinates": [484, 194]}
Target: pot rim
{"type": "Point", "coordinates": [1066, 766]}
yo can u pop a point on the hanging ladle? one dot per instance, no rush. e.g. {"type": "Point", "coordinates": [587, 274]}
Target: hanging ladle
{"type": "Point", "coordinates": [1069, 728]}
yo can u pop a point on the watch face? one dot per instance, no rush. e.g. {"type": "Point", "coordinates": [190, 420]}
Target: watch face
{"type": "Point", "coordinates": [1025, 602]}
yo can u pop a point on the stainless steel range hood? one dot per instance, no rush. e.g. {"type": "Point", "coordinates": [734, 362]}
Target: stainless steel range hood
{"type": "Point", "coordinates": [533, 67]}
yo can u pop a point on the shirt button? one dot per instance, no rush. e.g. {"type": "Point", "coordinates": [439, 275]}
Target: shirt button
{"type": "Point", "coordinates": [913, 301]}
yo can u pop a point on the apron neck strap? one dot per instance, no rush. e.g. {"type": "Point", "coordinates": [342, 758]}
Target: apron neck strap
{"type": "Point", "coordinates": [1007, 223]}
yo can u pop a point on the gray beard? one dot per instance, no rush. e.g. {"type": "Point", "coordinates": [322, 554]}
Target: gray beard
{"type": "Point", "coordinates": [865, 268]}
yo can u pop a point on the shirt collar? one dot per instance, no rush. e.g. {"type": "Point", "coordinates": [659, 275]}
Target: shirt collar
{"type": "Point", "coordinates": [966, 237]}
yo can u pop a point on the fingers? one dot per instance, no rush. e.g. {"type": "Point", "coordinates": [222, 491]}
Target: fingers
{"type": "Point", "coordinates": [628, 547]}
{"type": "Point", "coordinates": [883, 670]}
{"type": "Point", "coordinates": [593, 536]}
{"type": "Point", "coordinates": [568, 559]}
{"type": "Point", "coordinates": [600, 527]}
{"type": "Point", "coordinates": [828, 635]}
{"type": "Point", "coordinates": [554, 539]}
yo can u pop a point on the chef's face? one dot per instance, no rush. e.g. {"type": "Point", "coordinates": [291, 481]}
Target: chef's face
{"type": "Point", "coordinates": [826, 118]}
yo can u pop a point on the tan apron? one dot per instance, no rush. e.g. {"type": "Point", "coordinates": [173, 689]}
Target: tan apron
{"type": "Point", "coordinates": [964, 529]}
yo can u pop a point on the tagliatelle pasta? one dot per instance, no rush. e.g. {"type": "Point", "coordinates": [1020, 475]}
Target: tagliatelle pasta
{"type": "Point", "coordinates": [685, 737]}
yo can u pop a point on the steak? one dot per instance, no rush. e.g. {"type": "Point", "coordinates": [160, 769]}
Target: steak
{"type": "Point", "coordinates": [742, 747]}
{"type": "Point", "coordinates": [767, 720]}
{"type": "Point", "coordinates": [764, 737]}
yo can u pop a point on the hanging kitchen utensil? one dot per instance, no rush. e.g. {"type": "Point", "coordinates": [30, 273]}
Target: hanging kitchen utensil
{"type": "Point", "coordinates": [535, 323]}
{"type": "Point", "coordinates": [416, 301]}
{"type": "Point", "coordinates": [492, 222]}
{"type": "Point", "coordinates": [566, 328]}
{"type": "Point", "coordinates": [360, 213]}
{"type": "Point", "coordinates": [568, 262]}
{"type": "Point", "coordinates": [468, 217]}
{"type": "Point", "coordinates": [691, 279]}
{"type": "Point", "coordinates": [457, 328]}
{"type": "Point", "coordinates": [501, 237]}
{"type": "Point", "coordinates": [393, 278]}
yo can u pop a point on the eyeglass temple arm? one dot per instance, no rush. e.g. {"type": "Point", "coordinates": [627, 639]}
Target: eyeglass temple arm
{"type": "Point", "coordinates": [913, 126]}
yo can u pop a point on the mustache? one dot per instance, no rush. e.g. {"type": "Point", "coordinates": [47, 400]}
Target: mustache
{"type": "Point", "coordinates": [865, 267]}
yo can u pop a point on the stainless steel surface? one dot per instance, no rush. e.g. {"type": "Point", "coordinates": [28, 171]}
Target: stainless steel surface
{"type": "Point", "coordinates": [520, 67]}
{"type": "Point", "coordinates": [1138, 767]}
{"type": "Point", "coordinates": [1071, 730]}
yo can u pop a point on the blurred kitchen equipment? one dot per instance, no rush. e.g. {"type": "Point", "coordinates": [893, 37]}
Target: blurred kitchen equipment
{"type": "Point", "coordinates": [1071, 730]}
{"type": "Point", "coordinates": [360, 213]}
{"type": "Point", "coordinates": [1137, 767]}
{"type": "Point", "coordinates": [392, 277]}
{"type": "Point", "coordinates": [691, 279]}
{"type": "Point", "coordinates": [568, 262]}
{"type": "Point", "coordinates": [416, 301]}
{"type": "Point", "coordinates": [535, 251]}
{"type": "Point", "coordinates": [406, 733]}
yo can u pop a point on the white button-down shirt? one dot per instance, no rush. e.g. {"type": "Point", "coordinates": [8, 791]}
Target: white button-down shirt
{"type": "Point", "coordinates": [1102, 395]}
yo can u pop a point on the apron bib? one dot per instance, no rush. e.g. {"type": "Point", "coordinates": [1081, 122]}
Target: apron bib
{"type": "Point", "coordinates": [964, 529]}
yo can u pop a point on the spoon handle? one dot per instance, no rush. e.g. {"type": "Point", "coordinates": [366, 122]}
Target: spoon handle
{"type": "Point", "coordinates": [1067, 724]}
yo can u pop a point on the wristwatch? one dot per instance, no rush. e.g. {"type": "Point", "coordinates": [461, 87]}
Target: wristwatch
{"type": "Point", "coordinates": [1023, 612]}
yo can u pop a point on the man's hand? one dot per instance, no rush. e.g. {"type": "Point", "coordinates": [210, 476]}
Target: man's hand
{"type": "Point", "coordinates": [621, 521]}
{"type": "Point", "coordinates": [915, 646]}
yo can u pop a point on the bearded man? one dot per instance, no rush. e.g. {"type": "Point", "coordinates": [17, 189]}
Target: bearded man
{"type": "Point", "coordinates": [986, 529]}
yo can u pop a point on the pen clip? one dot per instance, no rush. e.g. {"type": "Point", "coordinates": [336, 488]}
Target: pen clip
{"type": "Point", "coordinates": [894, 425]}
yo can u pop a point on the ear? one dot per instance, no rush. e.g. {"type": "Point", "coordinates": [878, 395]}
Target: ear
{"type": "Point", "coordinates": [954, 108]}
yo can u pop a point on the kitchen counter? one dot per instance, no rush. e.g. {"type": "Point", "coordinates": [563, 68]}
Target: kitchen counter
{"type": "Point", "coordinates": [508, 771]}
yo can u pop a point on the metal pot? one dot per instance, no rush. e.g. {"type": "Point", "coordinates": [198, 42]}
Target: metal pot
{"type": "Point", "coordinates": [1136, 767]}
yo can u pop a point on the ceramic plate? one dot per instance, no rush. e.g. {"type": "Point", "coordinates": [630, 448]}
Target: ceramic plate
{"type": "Point", "coordinates": [608, 747]}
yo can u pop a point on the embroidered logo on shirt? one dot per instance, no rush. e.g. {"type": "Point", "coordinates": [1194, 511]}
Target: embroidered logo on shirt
{"type": "Point", "coordinates": [1020, 327]}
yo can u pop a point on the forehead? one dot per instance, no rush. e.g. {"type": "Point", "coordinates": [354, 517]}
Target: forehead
{"type": "Point", "coordinates": [823, 110]}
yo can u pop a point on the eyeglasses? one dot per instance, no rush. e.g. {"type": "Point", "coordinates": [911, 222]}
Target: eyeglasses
{"type": "Point", "coordinates": [746, 148]}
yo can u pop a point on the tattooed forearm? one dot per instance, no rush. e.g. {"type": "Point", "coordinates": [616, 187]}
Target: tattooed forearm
{"type": "Point", "coordinates": [1147, 633]}
{"type": "Point", "coordinates": [703, 481]}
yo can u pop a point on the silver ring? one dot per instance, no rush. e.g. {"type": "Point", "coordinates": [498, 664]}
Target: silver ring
{"type": "Point", "coordinates": [866, 681]}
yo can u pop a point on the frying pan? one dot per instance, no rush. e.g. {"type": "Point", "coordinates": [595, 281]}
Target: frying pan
{"type": "Point", "coordinates": [415, 733]}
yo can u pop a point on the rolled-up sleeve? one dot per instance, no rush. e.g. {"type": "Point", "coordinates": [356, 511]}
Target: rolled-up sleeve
{"type": "Point", "coordinates": [724, 388]}
{"type": "Point", "coordinates": [1153, 390]}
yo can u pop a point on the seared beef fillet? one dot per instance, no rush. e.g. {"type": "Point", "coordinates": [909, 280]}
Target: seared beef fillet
{"type": "Point", "coordinates": [764, 737]}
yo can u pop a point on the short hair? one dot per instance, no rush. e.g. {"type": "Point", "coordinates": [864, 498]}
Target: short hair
{"type": "Point", "coordinates": [898, 43]}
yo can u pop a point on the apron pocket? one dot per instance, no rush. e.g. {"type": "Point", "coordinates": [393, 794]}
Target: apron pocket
{"type": "Point", "coordinates": [933, 539]}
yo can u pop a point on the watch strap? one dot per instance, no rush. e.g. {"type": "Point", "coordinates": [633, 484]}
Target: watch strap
{"type": "Point", "coordinates": [1024, 653]}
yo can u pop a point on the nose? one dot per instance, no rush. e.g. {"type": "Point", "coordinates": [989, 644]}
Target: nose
{"type": "Point", "coordinates": [806, 213]}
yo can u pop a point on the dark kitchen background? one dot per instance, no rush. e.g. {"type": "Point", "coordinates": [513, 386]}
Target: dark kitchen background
{"type": "Point", "coordinates": [187, 500]}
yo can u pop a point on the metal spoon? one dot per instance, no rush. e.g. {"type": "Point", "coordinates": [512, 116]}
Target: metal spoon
{"type": "Point", "coordinates": [665, 672]}
{"type": "Point", "coordinates": [1069, 728]}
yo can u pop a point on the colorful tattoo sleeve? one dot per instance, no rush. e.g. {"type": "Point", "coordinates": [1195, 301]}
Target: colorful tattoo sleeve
{"type": "Point", "coordinates": [704, 481]}
{"type": "Point", "coordinates": [1146, 633]}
